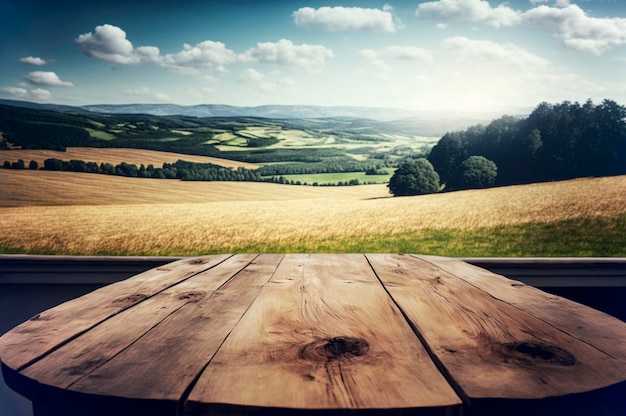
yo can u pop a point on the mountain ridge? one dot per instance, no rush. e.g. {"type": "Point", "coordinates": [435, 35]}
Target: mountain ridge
{"type": "Point", "coordinates": [262, 111]}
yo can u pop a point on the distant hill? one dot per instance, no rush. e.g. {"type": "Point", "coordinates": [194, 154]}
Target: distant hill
{"type": "Point", "coordinates": [424, 123]}
{"type": "Point", "coordinates": [249, 139]}
{"type": "Point", "coordinates": [38, 106]}
{"type": "Point", "coordinates": [264, 111]}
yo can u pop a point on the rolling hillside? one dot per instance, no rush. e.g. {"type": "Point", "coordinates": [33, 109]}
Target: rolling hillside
{"type": "Point", "coordinates": [71, 213]}
{"type": "Point", "coordinates": [244, 139]}
{"type": "Point", "coordinates": [25, 188]}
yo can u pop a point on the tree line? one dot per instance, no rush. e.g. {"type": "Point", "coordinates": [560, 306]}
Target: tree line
{"type": "Point", "coordinates": [335, 165]}
{"type": "Point", "coordinates": [555, 142]}
{"type": "Point", "coordinates": [183, 170]}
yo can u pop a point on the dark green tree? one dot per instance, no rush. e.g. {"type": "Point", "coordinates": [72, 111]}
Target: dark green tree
{"type": "Point", "coordinates": [53, 164]}
{"type": "Point", "coordinates": [414, 177]}
{"type": "Point", "coordinates": [477, 172]}
{"type": "Point", "coordinates": [77, 165]}
{"type": "Point", "coordinates": [447, 155]}
{"type": "Point", "coordinates": [33, 165]}
{"type": "Point", "coordinates": [18, 165]}
{"type": "Point", "coordinates": [92, 167]}
{"type": "Point", "coordinates": [532, 143]}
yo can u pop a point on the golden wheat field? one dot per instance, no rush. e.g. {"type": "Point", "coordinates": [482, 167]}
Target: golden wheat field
{"type": "Point", "coordinates": [115, 156]}
{"type": "Point", "coordinates": [74, 213]}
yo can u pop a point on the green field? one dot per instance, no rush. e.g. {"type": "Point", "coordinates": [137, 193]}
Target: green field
{"type": "Point", "coordinates": [566, 238]}
{"type": "Point", "coordinates": [99, 134]}
{"type": "Point", "coordinates": [334, 178]}
{"type": "Point", "coordinates": [246, 139]}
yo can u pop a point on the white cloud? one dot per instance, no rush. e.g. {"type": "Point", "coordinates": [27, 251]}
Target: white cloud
{"type": "Point", "coordinates": [284, 52]}
{"type": "Point", "coordinates": [18, 92]}
{"type": "Point", "coordinates": [31, 60]}
{"type": "Point", "coordinates": [469, 10]}
{"type": "Point", "coordinates": [15, 91]}
{"type": "Point", "coordinates": [147, 54]}
{"type": "Point", "coordinates": [577, 30]}
{"type": "Point", "coordinates": [49, 79]}
{"type": "Point", "coordinates": [109, 43]}
{"type": "Point", "coordinates": [348, 18]}
{"type": "Point", "coordinates": [207, 54]}
{"type": "Point", "coordinates": [40, 94]}
{"type": "Point", "coordinates": [491, 51]}
{"type": "Point", "coordinates": [569, 23]}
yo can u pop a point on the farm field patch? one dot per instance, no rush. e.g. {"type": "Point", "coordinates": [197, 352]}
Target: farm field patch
{"type": "Point", "coordinates": [115, 156]}
{"type": "Point", "coordinates": [333, 178]}
{"type": "Point", "coordinates": [165, 217]}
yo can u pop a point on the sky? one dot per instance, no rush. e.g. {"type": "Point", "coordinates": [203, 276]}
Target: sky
{"type": "Point", "coordinates": [442, 55]}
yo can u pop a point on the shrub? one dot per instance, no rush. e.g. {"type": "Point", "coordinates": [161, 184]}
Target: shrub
{"type": "Point", "coordinates": [414, 177]}
{"type": "Point", "coordinates": [478, 172]}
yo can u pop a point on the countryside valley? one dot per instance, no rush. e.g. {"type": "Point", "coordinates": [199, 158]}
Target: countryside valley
{"type": "Point", "coordinates": [80, 181]}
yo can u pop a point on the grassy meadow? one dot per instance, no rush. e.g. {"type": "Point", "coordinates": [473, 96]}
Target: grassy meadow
{"type": "Point", "coordinates": [333, 178]}
{"type": "Point", "coordinates": [85, 214]}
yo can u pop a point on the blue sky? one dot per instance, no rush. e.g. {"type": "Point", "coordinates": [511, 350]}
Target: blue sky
{"type": "Point", "coordinates": [452, 55]}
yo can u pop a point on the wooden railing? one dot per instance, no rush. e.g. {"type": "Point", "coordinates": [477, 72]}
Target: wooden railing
{"type": "Point", "coordinates": [596, 282]}
{"type": "Point", "coordinates": [539, 272]}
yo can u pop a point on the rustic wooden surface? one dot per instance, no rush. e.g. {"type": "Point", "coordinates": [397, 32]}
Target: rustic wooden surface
{"type": "Point", "coordinates": [247, 333]}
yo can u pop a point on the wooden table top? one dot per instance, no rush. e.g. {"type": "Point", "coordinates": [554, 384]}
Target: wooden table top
{"type": "Point", "coordinates": [246, 333]}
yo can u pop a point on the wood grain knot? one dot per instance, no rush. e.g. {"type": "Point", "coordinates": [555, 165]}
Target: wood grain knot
{"type": "Point", "coordinates": [192, 296]}
{"type": "Point", "coordinates": [196, 261]}
{"type": "Point", "coordinates": [539, 353]}
{"type": "Point", "coordinates": [337, 348]}
{"type": "Point", "coordinates": [39, 317]}
{"type": "Point", "coordinates": [130, 299]}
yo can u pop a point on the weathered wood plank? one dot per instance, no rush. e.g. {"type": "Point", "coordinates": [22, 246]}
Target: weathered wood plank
{"type": "Point", "coordinates": [54, 327]}
{"type": "Point", "coordinates": [165, 361]}
{"type": "Point", "coordinates": [90, 351]}
{"type": "Point", "coordinates": [323, 334]}
{"type": "Point", "coordinates": [594, 327]}
{"type": "Point", "coordinates": [489, 348]}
